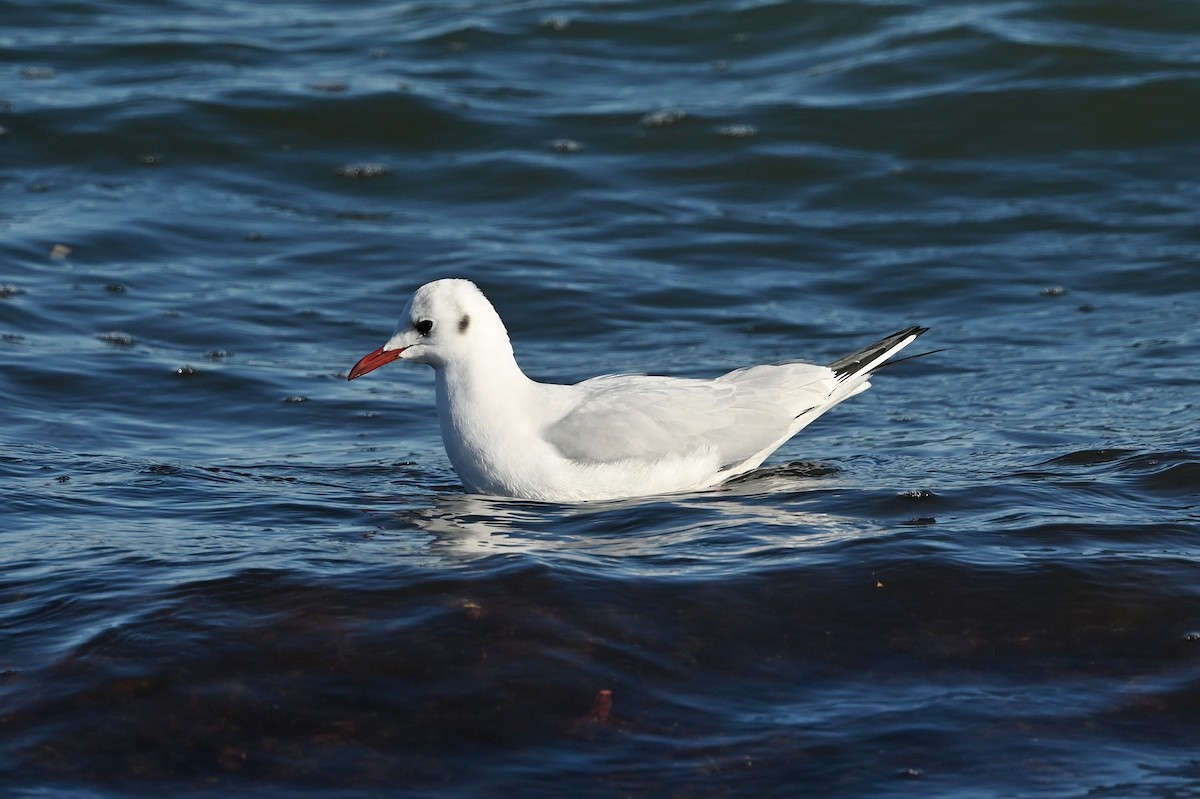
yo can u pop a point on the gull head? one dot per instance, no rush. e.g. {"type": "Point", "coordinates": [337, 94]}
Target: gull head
{"type": "Point", "coordinates": [445, 322]}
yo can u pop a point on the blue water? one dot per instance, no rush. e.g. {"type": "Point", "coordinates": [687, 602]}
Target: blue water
{"type": "Point", "coordinates": [225, 571]}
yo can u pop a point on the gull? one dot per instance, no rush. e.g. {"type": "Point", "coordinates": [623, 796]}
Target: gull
{"type": "Point", "coordinates": [613, 436]}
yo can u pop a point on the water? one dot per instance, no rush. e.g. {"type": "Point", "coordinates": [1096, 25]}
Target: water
{"type": "Point", "coordinates": [227, 571]}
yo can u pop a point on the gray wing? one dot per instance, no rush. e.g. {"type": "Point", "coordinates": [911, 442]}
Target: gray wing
{"type": "Point", "coordinates": [737, 415]}
{"type": "Point", "coordinates": [742, 416]}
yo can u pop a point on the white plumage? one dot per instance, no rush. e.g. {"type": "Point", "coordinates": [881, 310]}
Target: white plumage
{"type": "Point", "coordinates": [609, 437]}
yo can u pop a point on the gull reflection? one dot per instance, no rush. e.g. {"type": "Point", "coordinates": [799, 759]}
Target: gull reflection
{"type": "Point", "coordinates": [764, 515]}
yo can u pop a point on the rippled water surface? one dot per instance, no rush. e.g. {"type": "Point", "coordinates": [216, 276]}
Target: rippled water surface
{"type": "Point", "coordinates": [225, 571]}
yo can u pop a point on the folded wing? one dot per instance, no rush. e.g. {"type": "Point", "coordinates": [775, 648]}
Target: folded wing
{"type": "Point", "coordinates": [738, 418]}
{"type": "Point", "coordinates": [734, 417]}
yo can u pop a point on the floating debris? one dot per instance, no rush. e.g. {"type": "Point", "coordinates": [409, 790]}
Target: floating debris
{"type": "Point", "coordinates": [297, 398]}
{"type": "Point", "coordinates": [1053, 291]}
{"type": "Point", "coordinates": [363, 171]}
{"type": "Point", "coordinates": [60, 251]}
{"type": "Point", "coordinates": [917, 493]}
{"type": "Point", "coordinates": [8, 291]}
{"type": "Point", "coordinates": [738, 131]}
{"type": "Point", "coordinates": [115, 288]}
{"type": "Point", "coordinates": [555, 23]}
{"type": "Point", "coordinates": [661, 119]}
{"type": "Point", "coordinates": [565, 146]}
{"type": "Point", "coordinates": [118, 339]}
{"type": "Point", "coordinates": [601, 708]}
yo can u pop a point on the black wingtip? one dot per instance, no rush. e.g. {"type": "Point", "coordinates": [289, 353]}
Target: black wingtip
{"type": "Point", "coordinates": [909, 358]}
{"type": "Point", "coordinates": [855, 362]}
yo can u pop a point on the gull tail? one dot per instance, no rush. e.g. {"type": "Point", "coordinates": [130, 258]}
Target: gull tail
{"type": "Point", "coordinates": [865, 361]}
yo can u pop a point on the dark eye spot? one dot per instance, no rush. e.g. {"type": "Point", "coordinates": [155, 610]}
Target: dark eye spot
{"type": "Point", "coordinates": [424, 326]}
{"type": "Point", "coordinates": [464, 323]}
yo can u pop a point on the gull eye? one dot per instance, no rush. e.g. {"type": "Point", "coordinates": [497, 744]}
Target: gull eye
{"type": "Point", "coordinates": [424, 326]}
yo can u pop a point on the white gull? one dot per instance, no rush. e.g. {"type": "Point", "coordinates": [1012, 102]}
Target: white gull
{"type": "Point", "coordinates": [609, 437]}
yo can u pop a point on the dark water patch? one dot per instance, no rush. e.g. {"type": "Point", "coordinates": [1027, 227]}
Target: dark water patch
{"type": "Point", "coordinates": [1090, 457]}
{"type": "Point", "coordinates": [441, 669]}
{"type": "Point", "coordinates": [401, 121]}
{"type": "Point", "coordinates": [1173, 472]}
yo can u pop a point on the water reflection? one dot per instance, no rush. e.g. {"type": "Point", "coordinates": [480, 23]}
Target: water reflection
{"type": "Point", "coordinates": [746, 525]}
